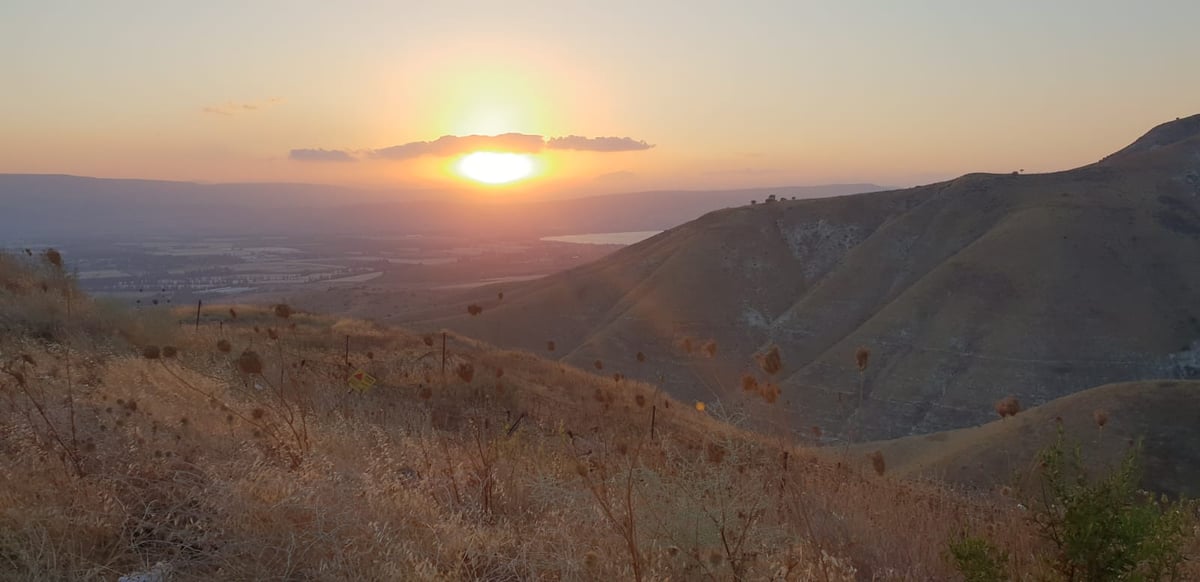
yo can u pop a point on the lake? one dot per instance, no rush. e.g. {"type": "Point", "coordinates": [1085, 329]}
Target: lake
{"type": "Point", "coordinates": [604, 238]}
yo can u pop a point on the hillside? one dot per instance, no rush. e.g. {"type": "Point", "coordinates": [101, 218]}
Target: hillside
{"type": "Point", "coordinates": [1161, 415]}
{"type": "Point", "coordinates": [233, 449]}
{"type": "Point", "coordinates": [964, 292]}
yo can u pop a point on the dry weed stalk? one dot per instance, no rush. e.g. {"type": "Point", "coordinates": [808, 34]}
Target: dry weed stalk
{"type": "Point", "coordinates": [622, 518]}
{"type": "Point", "coordinates": [1101, 418]}
{"type": "Point", "coordinates": [862, 357]}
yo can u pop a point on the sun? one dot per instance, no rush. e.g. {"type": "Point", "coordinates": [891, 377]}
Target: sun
{"type": "Point", "coordinates": [496, 167]}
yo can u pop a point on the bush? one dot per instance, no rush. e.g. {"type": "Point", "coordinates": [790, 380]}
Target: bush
{"type": "Point", "coordinates": [1097, 528]}
{"type": "Point", "coordinates": [978, 560]}
{"type": "Point", "coordinates": [1105, 528]}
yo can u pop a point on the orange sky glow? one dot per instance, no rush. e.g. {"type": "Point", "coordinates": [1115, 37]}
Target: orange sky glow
{"type": "Point", "coordinates": [608, 97]}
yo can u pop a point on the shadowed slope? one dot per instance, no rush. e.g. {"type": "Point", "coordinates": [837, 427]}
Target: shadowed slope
{"type": "Point", "coordinates": [1003, 452]}
{"type": "Point", "coordinates": [965, 291]}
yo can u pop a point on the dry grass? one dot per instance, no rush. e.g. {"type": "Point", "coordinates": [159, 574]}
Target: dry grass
{"type": "Point", "coordinates": [245, 458]}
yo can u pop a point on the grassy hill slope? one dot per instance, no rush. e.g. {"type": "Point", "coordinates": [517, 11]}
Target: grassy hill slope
{"type": "Point", "coordinates": [964, 292]}
{"type": "Point", "coordinates": [136, 441]}
{"type": "Point", "coordinates": [1162, 416]}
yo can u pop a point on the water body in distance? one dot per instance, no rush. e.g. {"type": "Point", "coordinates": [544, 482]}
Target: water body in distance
{"type": "Point", "coordinates": [604, 238]}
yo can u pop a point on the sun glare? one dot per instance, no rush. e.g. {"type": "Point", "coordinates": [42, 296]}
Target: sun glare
{"type": "Point", "coordinates": [496, 167]}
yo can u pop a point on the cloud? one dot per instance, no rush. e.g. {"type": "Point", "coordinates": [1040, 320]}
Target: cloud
{"type": "Point", "coordinates": [597, 144]}
{"type": "Point", "coordinates": [233, 108]}
{"type": "Point", "coordinates": [450, 145]}
{"type": "Point", "coordinates": [453, 145]}
{"type": "Point", "coordinates": [320, 155]}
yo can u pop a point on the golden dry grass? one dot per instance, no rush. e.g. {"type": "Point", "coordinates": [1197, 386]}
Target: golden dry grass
{"type": "Point", "coordinates": [224, 465]}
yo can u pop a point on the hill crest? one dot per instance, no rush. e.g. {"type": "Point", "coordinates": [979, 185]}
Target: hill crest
{"type": "Point", "coordinates": [964, 291]}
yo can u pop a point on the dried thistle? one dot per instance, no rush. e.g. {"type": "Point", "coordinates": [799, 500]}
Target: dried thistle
{"type": "Point", "coordinates": [151, 352]}
{"type": "Point", "coordinates": [877, 462]}
{"type": "Point", "coordinates": [770, 392]}
{"type": "Point", "coordinates": [466, 372]}
{"type": "Point", "coordinates": [749, 383]}
{"type": "Point", "coordinates": [283, 311]}
{"type": "Point", "coordinates": [54, 257]}
{"type": "Point", "coordinates": [1008, 406]}
{"type": "Point", "coordinates": [770, 362]}
{"type": "Point", "coordinates": [862, 357]}
{"type": "Point", "coordinates": [250, 362]}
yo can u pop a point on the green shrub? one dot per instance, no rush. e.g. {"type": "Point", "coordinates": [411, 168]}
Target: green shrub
{"type": "Point", "coordinates": [978, 560]}
{"type": "Point", "coordinates": [1096, 528]}
{"type": "Point", "coordinates": [1105, 528]}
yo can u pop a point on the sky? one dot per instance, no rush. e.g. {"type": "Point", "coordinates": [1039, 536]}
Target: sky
{"type": "Point", "coordinates": [595, 96]}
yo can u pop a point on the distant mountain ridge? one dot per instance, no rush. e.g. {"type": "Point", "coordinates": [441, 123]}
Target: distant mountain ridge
{"type": "Point", "coordinates": [33, 205]}
{"type": "Point", "coordinates": [964, 292]}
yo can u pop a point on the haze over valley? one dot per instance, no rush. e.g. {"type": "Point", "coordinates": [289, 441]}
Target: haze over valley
{"type": "Point", "coordinates": [550, 291]}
